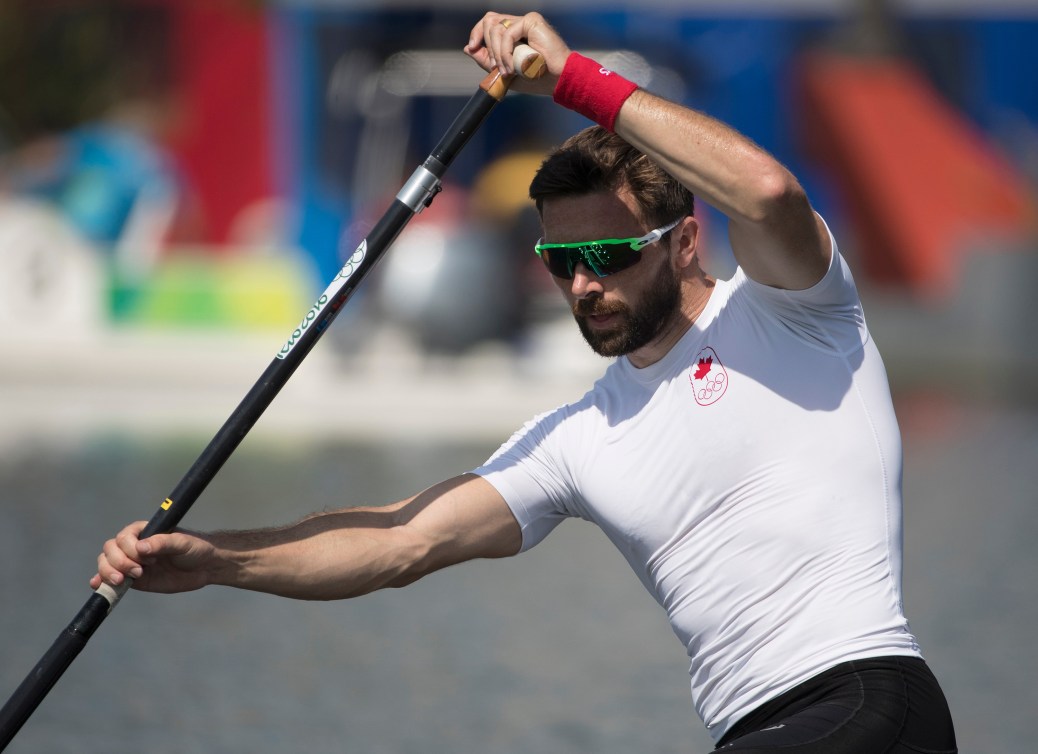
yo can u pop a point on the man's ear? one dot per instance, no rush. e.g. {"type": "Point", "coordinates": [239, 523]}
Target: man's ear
{"type": "Point", "coordinates": [686, 236]}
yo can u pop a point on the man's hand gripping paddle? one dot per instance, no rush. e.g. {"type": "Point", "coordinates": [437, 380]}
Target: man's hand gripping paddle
{"type": "Point", "coordinates": [416, 194]}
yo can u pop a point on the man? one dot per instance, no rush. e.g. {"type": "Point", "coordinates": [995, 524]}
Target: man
{"type": "Point", "coordinates": [742, 451]}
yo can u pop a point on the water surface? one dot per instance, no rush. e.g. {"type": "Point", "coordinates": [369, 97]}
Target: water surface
{"type": "Point", "coordinates": [559, 650]}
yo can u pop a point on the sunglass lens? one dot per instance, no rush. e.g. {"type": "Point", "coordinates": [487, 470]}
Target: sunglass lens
{"type": "Point", "coordinates": [558, 262]}
{"type": "Point", "coordinates": [602, 260]}
{"type": "Point", "coordinates": [612, 258]}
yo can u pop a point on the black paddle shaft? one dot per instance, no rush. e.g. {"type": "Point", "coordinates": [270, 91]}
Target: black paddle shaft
{"type": "Point", "coordinates": [416, 194]}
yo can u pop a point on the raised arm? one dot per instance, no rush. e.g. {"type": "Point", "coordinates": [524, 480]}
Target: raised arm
{"type": "Point", "coordinates": [325, 556]}
{"type": "Point", "coordinates": [775, 234]}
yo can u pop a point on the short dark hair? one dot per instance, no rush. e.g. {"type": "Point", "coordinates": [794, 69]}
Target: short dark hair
{"type": "Point", "coordinates": [596, 160]}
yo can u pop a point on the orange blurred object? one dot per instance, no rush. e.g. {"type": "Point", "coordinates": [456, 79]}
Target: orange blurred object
{"type": "Point", "coordinates": [922, 184]}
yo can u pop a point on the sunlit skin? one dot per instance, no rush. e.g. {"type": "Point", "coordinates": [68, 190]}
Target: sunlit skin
{"type": "Point", "coordinates": [641, 311]}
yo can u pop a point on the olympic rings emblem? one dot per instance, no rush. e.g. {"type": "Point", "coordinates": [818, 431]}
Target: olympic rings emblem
{"type": "Point", "coordinates": [708, 377]}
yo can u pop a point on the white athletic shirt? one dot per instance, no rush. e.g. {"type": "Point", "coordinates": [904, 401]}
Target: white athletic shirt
{"type": "Point", "coordinates": [752, 478]}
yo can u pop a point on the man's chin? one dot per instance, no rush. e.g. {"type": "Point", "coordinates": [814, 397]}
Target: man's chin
{"type": "Point", "coordinates": [605, 342]}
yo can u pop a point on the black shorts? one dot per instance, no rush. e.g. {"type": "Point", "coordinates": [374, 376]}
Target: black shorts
{"type": "Point", "coordinates": [882, 705]}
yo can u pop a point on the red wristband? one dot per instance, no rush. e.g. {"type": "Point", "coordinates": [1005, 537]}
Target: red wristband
{"type": "Point", "coordinates": [591, 90]}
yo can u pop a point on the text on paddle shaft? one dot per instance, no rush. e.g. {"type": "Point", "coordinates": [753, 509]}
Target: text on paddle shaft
{"type": "Point", "coordinates": [351, 266]}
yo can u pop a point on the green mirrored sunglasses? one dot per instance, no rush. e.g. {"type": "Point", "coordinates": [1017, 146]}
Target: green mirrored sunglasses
{"type": "Point", "coordinates": [603, 257]}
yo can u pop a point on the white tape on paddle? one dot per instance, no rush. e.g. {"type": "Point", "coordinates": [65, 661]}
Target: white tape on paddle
{"type": "Point", "coordinates": [114, 593]}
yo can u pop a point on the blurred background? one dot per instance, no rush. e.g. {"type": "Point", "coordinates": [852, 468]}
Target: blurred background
{"type": "Point", "coordinates": [180, 180]}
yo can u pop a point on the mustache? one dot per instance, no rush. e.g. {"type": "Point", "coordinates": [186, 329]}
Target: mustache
{"type": "Point", "coordinates": [596, 307]}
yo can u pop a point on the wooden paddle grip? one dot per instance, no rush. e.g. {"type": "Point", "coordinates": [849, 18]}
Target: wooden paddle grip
{"type": "Point", "coordinates": [528, 62]}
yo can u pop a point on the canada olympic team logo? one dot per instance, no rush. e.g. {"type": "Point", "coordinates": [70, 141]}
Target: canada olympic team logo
{"type": "Point", "coordinates": [708, 377]}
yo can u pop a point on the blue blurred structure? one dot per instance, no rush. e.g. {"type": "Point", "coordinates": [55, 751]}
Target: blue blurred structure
{"type": "Point", "coordinates": [298, 120]}
{"type": "Point", "coordinates": [737, 67]}
{"type": "Point", "coordinates": [98, 173]}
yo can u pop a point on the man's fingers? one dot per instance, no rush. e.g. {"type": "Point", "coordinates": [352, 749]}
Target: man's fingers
{"type": "Point", "coordinates": [126, 540]}
{"type": "Point", "coordinates": [477, 47]}
{"type": "Point", "coordinates": [116, 557]}
{"type": "Point", "coordinates": [502, 33]}
{"type": "Point", "coordinates": [120, 557]}
{"type": "Point", "coordinates": [492, 40]}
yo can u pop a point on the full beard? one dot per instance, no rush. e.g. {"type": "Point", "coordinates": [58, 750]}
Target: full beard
{"type": "Point", "coordinates": [637, 325]}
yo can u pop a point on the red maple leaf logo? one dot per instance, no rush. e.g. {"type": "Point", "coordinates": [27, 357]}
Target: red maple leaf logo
{"type": "Point", "coordinates": [704, 368]}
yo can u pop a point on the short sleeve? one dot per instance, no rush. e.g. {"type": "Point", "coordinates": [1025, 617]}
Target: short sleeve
{"type": "Point", "coordinates": [525, 470]}
{"type": "Point", "coordinates": [827, 316]}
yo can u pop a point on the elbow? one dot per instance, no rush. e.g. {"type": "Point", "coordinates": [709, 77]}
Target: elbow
{"type": "Point", "coordinates": [775, 196]}
{"type": "Point", "coordinates": [414, 556]}
{"type": "Point", "coordinates": [415, 565]}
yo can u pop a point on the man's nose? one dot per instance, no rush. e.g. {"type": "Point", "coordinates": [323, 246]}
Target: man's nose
{"type": "Point", "coordinates": [584, 282]}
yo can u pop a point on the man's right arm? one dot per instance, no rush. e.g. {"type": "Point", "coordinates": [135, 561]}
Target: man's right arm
{"type": "Point", "coordinates": [331, 555]}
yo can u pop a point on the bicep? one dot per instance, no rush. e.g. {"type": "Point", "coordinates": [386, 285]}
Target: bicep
{"type": "Point", "coordinates": [460, 519]}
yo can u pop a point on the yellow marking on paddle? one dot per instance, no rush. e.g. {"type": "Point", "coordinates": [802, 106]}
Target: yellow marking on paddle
{"type": "Point", "coordinates": [166, 505]}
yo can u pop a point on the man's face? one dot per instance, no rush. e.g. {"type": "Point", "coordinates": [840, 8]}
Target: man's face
{"type": "Point", "coordinates": [626, 311]}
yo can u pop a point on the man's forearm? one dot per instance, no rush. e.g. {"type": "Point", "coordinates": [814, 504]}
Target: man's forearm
{"type": "Point", "coordinates": [332, 555]}
{"type": "Point", "coordinates": [354, 551]}
{"type": "Point", "coordinates": [773, 231]}
{"type": "Point", "coordinates": [711, 159]}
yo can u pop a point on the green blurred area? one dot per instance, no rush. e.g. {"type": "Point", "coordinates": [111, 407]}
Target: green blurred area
{"type": "Point", "coordinates": [202, 291]}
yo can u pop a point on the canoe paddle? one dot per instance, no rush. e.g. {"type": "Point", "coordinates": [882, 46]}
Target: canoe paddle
{"type": "Point", "coordinates": [416, 194]}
